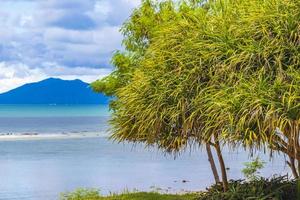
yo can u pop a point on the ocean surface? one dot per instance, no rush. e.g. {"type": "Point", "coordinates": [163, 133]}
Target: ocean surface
{"type": "Point", "coordinates": [55, 119]}
{"type": "Point", "coordinates": [40, 169]}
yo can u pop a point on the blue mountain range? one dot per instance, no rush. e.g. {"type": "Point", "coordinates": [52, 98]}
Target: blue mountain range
{"type": "Point", "coordinates": [53, 91]}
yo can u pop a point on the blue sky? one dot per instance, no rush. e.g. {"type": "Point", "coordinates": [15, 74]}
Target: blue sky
{"type": "Point", "coordinates": [59, 38]}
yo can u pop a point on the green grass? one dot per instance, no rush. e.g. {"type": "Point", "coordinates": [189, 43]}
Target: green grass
{"type": "Point", "coordinates": [82, 194]}
{"type": "Point", "coordinates": [151, 196]}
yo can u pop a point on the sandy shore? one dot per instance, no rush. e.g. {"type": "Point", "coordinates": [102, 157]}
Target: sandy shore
{"type": "Point", "coordinates": [13, 137]}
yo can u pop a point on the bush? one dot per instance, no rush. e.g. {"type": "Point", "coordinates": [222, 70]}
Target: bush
{"type": "Point", "coordinates": [251, 170]}
{"type": "Point", "coordinates": [277, 188]}
{"type": "Point", "coordinates": [82, 194]}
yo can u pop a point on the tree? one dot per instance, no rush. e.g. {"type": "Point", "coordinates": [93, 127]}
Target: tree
{"type": "Point", "coordinates": [212, 72]}
{"type": "Point", "coordinates": [255, 95]}
{"type": "Point", "coordinates": [265, 110]}
{"type": "Point", "coordinates": [146, 106]}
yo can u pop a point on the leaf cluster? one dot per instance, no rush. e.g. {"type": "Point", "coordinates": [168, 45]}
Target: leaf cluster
{"type": "Point", "coordinates": [251, 169]}
{"type": "Point", "coordinates": [194, 71]}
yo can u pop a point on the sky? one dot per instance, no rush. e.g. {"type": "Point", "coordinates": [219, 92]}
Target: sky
{"type": "Point", "coordinates": [68, 39]}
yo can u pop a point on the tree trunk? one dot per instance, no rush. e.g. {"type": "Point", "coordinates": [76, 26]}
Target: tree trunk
{"type": "Point", "coordinates": [212, 163]}
{"type": "Point", "coordinates": [292, 166]}
{"type": "Point", "coordinates": [222, 166]}
{"type": "Point", "coordinates": [298, 161]}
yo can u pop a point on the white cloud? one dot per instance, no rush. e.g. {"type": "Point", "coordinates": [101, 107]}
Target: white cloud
{"type": "Point", "coordinates": [134, 3]}
{"type": "Point", "coordinates": [14, 75]}
{"type": "Point", "coordinates": [47, 38]}
{"type": "Point", "coordinates": [44, 34]}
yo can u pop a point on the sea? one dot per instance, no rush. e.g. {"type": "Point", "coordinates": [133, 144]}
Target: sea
{"type": "Point", "coordinates": [39, 167]}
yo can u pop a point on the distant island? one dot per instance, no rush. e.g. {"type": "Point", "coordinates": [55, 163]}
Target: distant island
{"type": "Point", "coordinates": [53, 91]}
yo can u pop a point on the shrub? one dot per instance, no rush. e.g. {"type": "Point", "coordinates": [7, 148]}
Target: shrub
{"type": "Point", "coordinates": [250, 171]}
{"type": "Point", "coordinates": [82, 194]}
{"type": "Point", "coordinates": [276, 188]}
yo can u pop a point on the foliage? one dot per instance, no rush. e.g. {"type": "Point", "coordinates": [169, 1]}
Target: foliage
{"type": "Point", "coordinates": [81, 194]}
{"type": "Point", "coordinates": [219, 67]}
{"type": "Point", "coordinates": [94, 195]}
{"type": "Point", "coordinates": [197, 72]}
{"type": "Point", "coordinates": [138, 32]}
{"type": "Point", "coordinates": [251, 169]}
{"type": "Point", "coordinates": [277, 188]}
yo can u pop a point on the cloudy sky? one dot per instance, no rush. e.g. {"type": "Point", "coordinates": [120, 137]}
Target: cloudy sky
{"type": "Point", "coordinates": [58, 38]}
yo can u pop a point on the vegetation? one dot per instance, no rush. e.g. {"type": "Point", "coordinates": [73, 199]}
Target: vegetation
{"type": "Point", "coordinates": [95, 195]}
{"type": "Point", "coordinates": [277, 188]}
{"type": "Point", "coordinates": [161, 122]}
{"type": "Point", "coordinates": [211, 73]}
{"type": "Point", "coordinates": [250, 171]}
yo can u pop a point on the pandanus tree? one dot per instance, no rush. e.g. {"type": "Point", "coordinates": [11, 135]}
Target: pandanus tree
{"type": "Point", "coordinates": [152, 83]}
{"type": "Point", "coordinates": [254, 96]}
{"type": "Point", "coordinates": [264, 111]}
{"type": "Point", "coordinates": [212, 73]}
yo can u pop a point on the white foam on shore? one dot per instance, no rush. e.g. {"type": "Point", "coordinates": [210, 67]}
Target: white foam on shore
{"type": "Point", "coordinates": [13, 137]}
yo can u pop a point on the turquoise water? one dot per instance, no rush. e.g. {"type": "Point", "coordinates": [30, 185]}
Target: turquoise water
{"type": "Point", "coordinates": [53, 119]}
{"type": "Point", "coordinates": [53, 110]}
{"type": "Point", "coordinates": [42, 169]}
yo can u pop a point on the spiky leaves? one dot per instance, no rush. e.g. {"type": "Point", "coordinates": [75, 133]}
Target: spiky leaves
{"type": "Point", "coordinates": [218, 71]}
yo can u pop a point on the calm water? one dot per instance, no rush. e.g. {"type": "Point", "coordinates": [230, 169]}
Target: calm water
{"type": "Point", "coordinates": [41, 119]}
{"type": "Point", "coordinates": [41, 169]}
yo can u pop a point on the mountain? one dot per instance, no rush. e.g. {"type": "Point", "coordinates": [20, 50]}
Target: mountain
{"type": "Point", "coordinates": [53, 91]}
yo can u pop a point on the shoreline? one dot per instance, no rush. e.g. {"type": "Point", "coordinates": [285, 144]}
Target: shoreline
{"type": "Point", "coordinates": [48, 136]}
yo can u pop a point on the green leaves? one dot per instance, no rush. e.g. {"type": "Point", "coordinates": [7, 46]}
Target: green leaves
{"type": "Point", "coordinates": [195, 69]}
{"type": "Point", "coordinates": [260, 189]}
{"type": "Point", "coordinates": [251, 170]}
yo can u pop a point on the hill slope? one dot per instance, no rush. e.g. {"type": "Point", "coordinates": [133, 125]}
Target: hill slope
{"type": "Point", "coordinates": [53, 91]}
